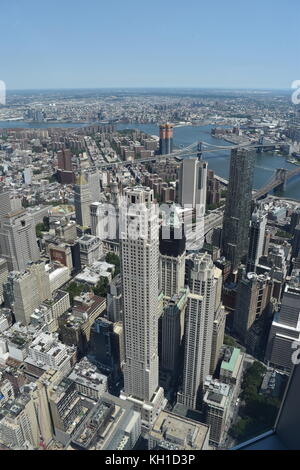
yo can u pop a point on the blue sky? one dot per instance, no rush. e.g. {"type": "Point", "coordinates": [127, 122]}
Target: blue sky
{"type": "Point", "coordinates": [157, 43]}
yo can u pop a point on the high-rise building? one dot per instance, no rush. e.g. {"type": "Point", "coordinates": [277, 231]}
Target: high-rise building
{"type": "Point", "coordinates": [18, 240]}
{"type": "Point", "coordinates": [165, 139]}
{"type": "Point", "coordinates": [192, 197]}
{"type": "Point", "coordinates": [66, 407]}
{"type": "Point", "coordinates": [295, 219]}
{"type": "Point", "coordinates": [19, 427]}
{"type": "Point", "coordinates": [238, 206]}
{"type": "Point", "coordinates": [171, 334]}
{"type": "Point", "coordinates": [64, 160]}
{"type": "Point", "coordinates": [257, 239]}
{"type": "Point", "coordinates": [285, 329]}
{"type": "Point", "coordinates": [5, 203]}
{"type": "Point", "coordinates": [106, 347]}
{"type": "Point", "coordinates": [82, 201]}
{"type": "Point", "coordinates": [75, 327]}
{"type": "Point", "coordinates": [114, 299]}
{"type": "Point", "coordinates": [219, 321]}
{"type": "Point", "coordinates": [104, 220]}
{"type": "Point", "coordinates": [29, 289]}
{"type": "Point", "coordinates": [171, 259]}
{"type": "Point", "coordinates": [252, 300]}
{"type": "Point", "coordinates": [90, 249]}
{"type": "Point", "coordinates": [294, 127]}
{"type": "Point", "coordinates": [8, 203]}
{"type": "Point", "coordinates": [213, 189]}
{"type": "Point", "coordinates": [112, 425]}
{"type": "Point", "coordinates": [296, 242]}
{"type": "Point", "coordinates": [3, 276]}
{"type": "Point", "coordinates": [192, 183]}
{"type": "Point", "coordinates": [216, 408]}
{"type": "Point", "coordinates": [27, 175]}
{"type": "Point", "coordinates": [140, 258]}
{"type": "Point", "coordinates": [93, 179]}
{"type": "Point", "coordinates": [198, 329]}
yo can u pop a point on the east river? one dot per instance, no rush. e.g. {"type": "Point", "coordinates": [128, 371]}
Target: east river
{"type": "Point", "coordinates": [266, 163]}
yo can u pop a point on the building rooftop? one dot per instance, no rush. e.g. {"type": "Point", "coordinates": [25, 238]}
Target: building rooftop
{"type": "Point", "coordinates": [229, 362]}
{"type": "Point", "coordinates": [85, 373]}
{"type": "Point", "coordinates": [91, 274]}
{"type": "Point", "coordinates": [175, 432]}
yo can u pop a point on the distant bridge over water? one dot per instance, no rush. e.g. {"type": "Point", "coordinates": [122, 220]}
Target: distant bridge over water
{"type": "Point", "coordinates": [278, 181]}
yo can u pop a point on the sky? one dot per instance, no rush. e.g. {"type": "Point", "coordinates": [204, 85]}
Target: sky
{"type": "Point", "coordinates": [154, 43]}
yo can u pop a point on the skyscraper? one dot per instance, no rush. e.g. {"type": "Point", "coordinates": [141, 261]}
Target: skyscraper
{"type": "Point", "coordinates": [82, 201]}
{"type": "Point", "coordinates": [192, 196]}
{"type": "Point", "coordinates": [192, 183]}
{"type": "Point", "coordinates": [3, 276]}
{"type": "Point", "coordinates": [105, 347]}
{"type": "Point", "coordinates": [114, 299]}
{"type": "Point", "coordinates": [219, 321]}
{"type": "Point", "coordinates": [257, 239]}
{"type": "Point", "coordinates": [8, 204]}
{"type": "Point", "coordinates": [5, 203]}
{"type": "Point", "coordinates": [198, 329]}
{"type": "Point", "coordinates": [64, 160]}
{"type": "Point", "coordinates": [29, 289]}
{"type": "Point", "coordinates": [252, 301]}
{"type": "Point", "coordinates": [139, 255]}
{"type": "Point", "coordinates": [171, 259]}
{"type": "Point", "coordinates": [18, 240]}
{"type": "Point", "coordinates": [104, 220]}
{"type": "Point", "coordinates": [285, 329]}
{"type": "Point", "coordinates": [296, 242]}
{"type": "Point", "coordinates": [165, 139]}
{"type": "Point", "coordinates": [93, 180]}
{"type": "Point", "coordinates": [172, 329]}
{"type": "Point", "coordinates": [238, 206]}
{"type": "Point", "coordinates": [105, 216]}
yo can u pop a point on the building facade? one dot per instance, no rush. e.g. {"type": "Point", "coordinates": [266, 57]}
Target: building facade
{"type": "Point", "coordinates": [238, 206]}
{"type": "Point", "coordinates": [140, 257]}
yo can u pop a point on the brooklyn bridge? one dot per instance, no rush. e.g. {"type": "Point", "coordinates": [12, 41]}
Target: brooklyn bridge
{"type": "Point", "coordinates": [277, 182]}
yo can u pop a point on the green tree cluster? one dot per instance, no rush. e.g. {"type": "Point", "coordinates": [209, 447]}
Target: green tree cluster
{"type": "Point", "coordinates": [229, 341]}
{"type": "Point", "coordinates": [211, 207]}
{"type": "Point", "coordinates": [114, 259]}
{"type": "Point", "coordinates": [101, 287]}
{"type": "Point", "coordinates": [42, 227]}
{"type": "Point", "coordinates": [258, 412]}
{"type": "Point", "coordinates": [283, 234]}
{"type": "Point", "coordinates": [74, 289]}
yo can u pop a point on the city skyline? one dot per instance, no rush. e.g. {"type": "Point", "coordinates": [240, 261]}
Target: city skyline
{"type": "Point", "coordinates": [149, 228]}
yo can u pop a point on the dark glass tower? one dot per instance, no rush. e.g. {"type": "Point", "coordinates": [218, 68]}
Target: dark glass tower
{"type": "Point", "coordinates": [238, 206]}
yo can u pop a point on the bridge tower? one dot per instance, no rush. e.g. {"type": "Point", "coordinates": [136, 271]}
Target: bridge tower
{"type": "Point", "coordinates": [281, 176]}
{"type": "Point", "coordinates": [261, 141]}
{"type": "Point", "coordinates": [199, 150]}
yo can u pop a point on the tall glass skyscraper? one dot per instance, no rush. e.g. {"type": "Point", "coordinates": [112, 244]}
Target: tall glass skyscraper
{"type": "Point", "coordinates": [238, 206]}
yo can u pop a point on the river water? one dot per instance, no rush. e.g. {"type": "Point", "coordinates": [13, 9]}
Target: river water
{"type": "Point", "coordinates": [266, 163]}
